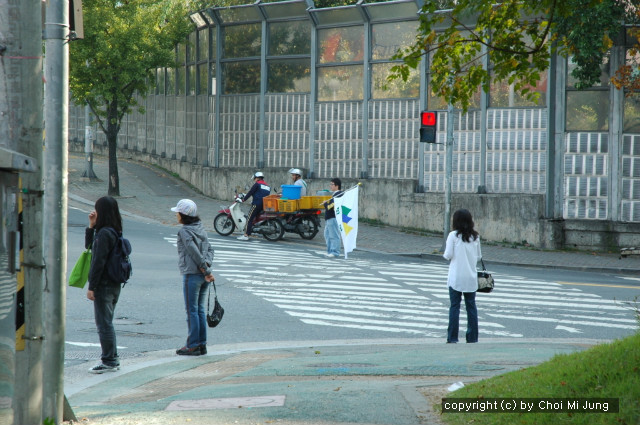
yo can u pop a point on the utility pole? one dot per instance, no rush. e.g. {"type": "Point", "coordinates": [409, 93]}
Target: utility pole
{"type": "Point", "coordinates": [29, 134]}
{"type": "Point", "coordinates": [88, 145]}
{"type": "Point", "coordinates": [55, 202]}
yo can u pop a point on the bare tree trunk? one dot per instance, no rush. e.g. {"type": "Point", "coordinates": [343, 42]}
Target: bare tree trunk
{"type": "Point", "coordinates": [113, 128]}
{"type": "Point", "coordinates": [114, 180]}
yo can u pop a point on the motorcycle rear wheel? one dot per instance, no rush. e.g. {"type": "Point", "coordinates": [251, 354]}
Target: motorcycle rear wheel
{"type": "Point", "coordinates": [275, 230]}
{"type": "Point", "coordinates": [223, 224]}
{"type": "Point", "coordinates": [308, 227]}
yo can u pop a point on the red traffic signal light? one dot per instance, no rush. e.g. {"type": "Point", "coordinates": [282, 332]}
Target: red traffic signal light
{"type": "Point", "coordinates": [428, 124]}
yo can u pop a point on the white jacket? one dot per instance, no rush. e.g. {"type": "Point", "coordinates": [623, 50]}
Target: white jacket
{"type": "Point", "coordinates": [463, 275]}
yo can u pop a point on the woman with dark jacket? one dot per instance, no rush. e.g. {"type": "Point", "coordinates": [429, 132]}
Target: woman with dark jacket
{"type": "Point", "coordinates": [105, 227]}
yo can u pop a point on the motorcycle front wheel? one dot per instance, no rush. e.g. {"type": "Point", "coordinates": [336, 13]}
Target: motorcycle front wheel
{"type": "Point", "coordinates": [307, 228]}
{"type": "Point", "coordinates": [274, 230]}
{"type": "Point", "coordinates": [223, 224]}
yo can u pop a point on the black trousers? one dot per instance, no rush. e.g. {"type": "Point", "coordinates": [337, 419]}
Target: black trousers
{"type": "Point", "coordinates": [253, 214]}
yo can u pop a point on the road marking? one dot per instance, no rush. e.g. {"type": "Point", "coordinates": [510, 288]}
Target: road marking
{"type": "Point", "coordinates": [603, 285]}
{"type": "Point", "coordinates": [412, 298]}
{"type": "Point", "coordinates": [568, 329]}
{"type": "Point", "coordinates": [88, 344]}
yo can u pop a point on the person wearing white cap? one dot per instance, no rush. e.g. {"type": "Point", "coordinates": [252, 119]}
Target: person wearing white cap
{"type": "Point", "coordinates": [195, 260]}
{"type": "Point", "coordinates": [296, 177]}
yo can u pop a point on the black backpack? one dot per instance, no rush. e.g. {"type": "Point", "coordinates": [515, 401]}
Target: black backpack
{"type": "Point", "coordinates": [118, 266]}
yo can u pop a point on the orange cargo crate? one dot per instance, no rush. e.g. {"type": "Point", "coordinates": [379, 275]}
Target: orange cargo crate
{"type": "Point", "coordinates": [288, 205]}
{"type": "Point", "coordinates": [306, 203]}
{"type": "Point", "coordinates": [270, 203]}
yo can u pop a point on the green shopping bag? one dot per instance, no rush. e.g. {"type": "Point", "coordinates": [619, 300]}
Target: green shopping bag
{"type": "Point", "coordinates": [80, 273]}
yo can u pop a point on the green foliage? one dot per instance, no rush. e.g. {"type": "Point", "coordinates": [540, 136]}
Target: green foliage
{"type": "Point", "coordinates": [518, 38]}
{"type": "Point", "coordinates": [604, 371]}
{"type": "Point", "coordinates": [125, 41]}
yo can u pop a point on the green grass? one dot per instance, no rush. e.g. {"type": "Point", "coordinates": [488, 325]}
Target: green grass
{"type": "Point", "coordinates": [604, 371]}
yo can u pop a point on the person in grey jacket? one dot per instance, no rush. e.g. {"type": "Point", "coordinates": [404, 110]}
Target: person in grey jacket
{"type": "Point", "coordinates": [195, 258]}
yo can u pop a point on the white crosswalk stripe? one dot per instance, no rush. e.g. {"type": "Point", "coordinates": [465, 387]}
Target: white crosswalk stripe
{"type": "Point", "coordinates": [411, 298]}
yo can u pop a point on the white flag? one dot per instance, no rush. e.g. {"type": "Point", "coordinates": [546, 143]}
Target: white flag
{"type": "Point", "coordinates": [346, 208]}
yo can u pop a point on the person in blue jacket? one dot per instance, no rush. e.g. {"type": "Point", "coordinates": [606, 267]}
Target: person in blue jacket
{"type": "Point", "coordinates": [258, 191]}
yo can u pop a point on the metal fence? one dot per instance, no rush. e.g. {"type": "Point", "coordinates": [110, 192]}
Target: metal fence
{"type": "Point", "coordinates": [500, 150]}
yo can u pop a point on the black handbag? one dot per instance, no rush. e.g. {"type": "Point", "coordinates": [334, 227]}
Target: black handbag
{"type": "Point", "coordinates": [214, 318]}
{"type": "Point", "coordinates": [485, 280]}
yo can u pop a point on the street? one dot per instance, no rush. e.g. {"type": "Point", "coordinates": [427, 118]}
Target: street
{"type": "Point", "coordinates": [290, 292]}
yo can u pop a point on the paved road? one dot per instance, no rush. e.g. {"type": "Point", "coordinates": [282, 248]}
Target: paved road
{"type": "Point", "coordinates": [368, 381]}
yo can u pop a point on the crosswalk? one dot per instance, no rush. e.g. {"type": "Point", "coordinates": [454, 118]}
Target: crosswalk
{"type": "Point", "coordinates": [409, 298]}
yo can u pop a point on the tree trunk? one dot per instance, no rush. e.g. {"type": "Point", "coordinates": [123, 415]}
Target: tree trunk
{"type": "Point", "coordinates": [112, 141]}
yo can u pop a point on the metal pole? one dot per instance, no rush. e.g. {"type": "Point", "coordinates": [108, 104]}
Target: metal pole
{"type": "Point", "coordinates": [55, 203]}
{"type": "Point", "coordinates": [28, 383]}
{"type": "Point", "coordinates": [448, 171]}
{"type": "Point", "coordinates": [88, 145]}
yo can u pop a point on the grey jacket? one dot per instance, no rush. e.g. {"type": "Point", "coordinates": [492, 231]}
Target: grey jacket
{"type": "Point", "coordinates": [194, 250]}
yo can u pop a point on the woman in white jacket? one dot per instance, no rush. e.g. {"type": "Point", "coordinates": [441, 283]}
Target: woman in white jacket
{"type": "Point", "coordinates": [463, 250]}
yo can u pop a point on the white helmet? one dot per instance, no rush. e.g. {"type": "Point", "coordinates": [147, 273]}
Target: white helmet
{"type": "Point", "coordinates": [258, 174]}
{"type": "Point", "coordinates": [295, 171]}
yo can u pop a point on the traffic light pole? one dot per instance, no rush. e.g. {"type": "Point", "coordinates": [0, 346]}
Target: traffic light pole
{"type": "Point", "coordinates": [448, 171]}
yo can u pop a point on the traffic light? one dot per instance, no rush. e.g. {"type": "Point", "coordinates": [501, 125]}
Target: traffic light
{"type": "Point", "coordinates": [428, 122]}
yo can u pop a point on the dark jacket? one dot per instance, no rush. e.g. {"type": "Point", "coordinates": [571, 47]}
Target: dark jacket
{"type": "Point", "coordinates": [101, 243]}
{"type": "Point", "coordinates": [329, 210]}
{"type": "Point", "coordinates": [259, 190]}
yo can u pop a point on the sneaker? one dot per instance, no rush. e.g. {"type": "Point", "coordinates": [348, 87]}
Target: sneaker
{"type": "Point", "coordinates": [102, 368]}
{"type": "Point", "coordinates": [243, 238]}
{"type": "Point", "coordinates": [203, 349]}
{"type": "Point", "coordinates": [184, 351]}
{"type": "Point", "coordinates": [330, 255]}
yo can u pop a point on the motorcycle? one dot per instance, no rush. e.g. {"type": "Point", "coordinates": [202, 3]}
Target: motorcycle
{"type": "Point", "coordinates": [232, 218]}
{"type": "Point", "coordinates": [305, 223]}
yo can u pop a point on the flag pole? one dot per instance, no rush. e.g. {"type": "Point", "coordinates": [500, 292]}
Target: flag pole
{"type": "Point", "coordinates": [345, 191]}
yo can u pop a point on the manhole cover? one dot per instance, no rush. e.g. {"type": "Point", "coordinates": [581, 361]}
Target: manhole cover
{"type": "Point", "coordinates": [95, 354]}
{"type": "Point", "coordinates": [340, 365]}
{"type": "Point", "coordinates": [227, 403]}
{"type": "Point", "coordinates": [120, 333]}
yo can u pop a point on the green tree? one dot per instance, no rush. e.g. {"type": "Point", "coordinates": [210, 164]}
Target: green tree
{"type": "Point", "coordinates": [125, 41]}
{"type": "Point", "coordinates": [519, 38]}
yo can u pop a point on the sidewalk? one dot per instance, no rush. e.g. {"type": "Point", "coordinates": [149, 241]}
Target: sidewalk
{"type": "Point", "coordinates": [393, 381]}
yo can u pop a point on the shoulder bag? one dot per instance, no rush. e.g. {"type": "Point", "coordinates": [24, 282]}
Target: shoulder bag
{"type": "Point", "coordinates": [485, 280]}
{"type": "Point", "coordinates": [214, 318]}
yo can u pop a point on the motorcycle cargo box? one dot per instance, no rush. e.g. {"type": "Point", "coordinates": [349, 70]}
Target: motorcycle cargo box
{"type": "Point", "coordinates": [270, 203]}
{"type": "Point", "coordinates": [288, 205]}
{"type": "Point", "coordinates": [306, 203]}
{"type": "Point", "coordinates": [291, 191]}
{"type": "Point", "coordinates": [318, 200]}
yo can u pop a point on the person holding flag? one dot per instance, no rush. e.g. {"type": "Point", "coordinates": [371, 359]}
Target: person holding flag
{"type": "Point", "coordinates": [346, 209]}
{"type": "Point", "coordinates": [331, 230]}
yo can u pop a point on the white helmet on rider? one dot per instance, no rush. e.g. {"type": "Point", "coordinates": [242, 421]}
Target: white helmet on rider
{"type": "Point", "coordinates": [258, 174]}
{"type": "Point", "coordinates": [295, 171]}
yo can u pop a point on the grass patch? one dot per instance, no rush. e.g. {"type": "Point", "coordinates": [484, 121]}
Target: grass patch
{"type": "Point", "coordinates": [604, 371]}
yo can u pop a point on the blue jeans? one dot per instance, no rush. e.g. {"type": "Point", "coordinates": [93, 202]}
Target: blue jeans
{"type": "Point", "coordinates": [195, 295]}
{"type": "Point", "coordinates": [454, 315]}
{"type": "Point", "coordinates": [332, 236]}
{"type": "Point", "coordinates": [106, 298]}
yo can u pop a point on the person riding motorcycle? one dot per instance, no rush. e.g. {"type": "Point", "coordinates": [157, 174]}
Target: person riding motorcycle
{"type": "Point", "coordinates": [258, 191]}
{"type": "Point", "coordinates": [296, 177]}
